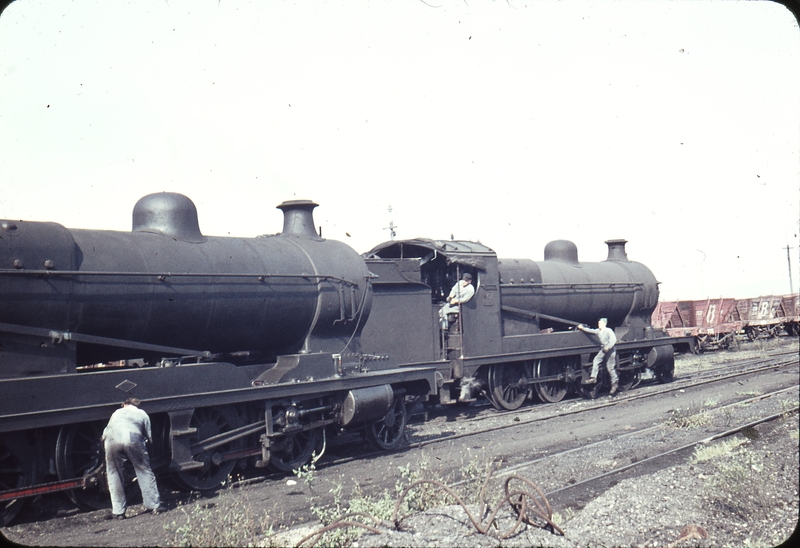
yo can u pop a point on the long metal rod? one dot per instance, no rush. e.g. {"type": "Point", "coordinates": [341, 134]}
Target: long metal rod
{"type": "Point", "coordinates": [93, 339]}
{"type": "Point", "coordinates": [572, 285]}
{"type": "Point", "coordinates": [257, 276]}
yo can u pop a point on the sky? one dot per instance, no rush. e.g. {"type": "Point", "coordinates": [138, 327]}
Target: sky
{"type": "Point", "coordinates": [672, 124]}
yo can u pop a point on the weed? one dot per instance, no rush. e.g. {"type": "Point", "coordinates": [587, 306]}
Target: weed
{"type": "Point", "coordinates": [708, 452]}
{"type": "Point", "coordinates": [306, 472]}
{"type": "Point", "coordinates": [560, 519]}
{"type": "Point", "coordinates": [230, 521]}
{"type": "Point", "coordinates": [361, 506]}
{"type": "Point", "coordinates": [688, 418]}
{"type": "Point", "coordinates": [738, 487]}
{"type": "Point", "coordinates": [711, 402]}
{"type": "Point", "coordinates": [750, 393]}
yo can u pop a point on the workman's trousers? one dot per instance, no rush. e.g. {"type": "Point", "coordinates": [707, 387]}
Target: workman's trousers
{"type": "Point", "coordinates": [448, 309]}
{"type": "Point", "coordinates": [610, 361]}
{"type": "Point", "coordinates": [135, 451]}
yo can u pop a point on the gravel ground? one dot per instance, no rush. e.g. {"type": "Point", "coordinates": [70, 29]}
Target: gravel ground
{"type": "Point", "coordinates": [745, 496]}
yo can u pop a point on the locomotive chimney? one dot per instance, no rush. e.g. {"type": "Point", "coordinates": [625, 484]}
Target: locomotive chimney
{"type": "Point", "coordinates": [616, 250]}
{"type": "Point", "coordinates": [298, 219]}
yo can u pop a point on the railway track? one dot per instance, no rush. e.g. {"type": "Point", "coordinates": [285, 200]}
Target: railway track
{"type": "Point", "coordinates": [752, 367]}
{"type": "Point", "coordinates": [702, 440]}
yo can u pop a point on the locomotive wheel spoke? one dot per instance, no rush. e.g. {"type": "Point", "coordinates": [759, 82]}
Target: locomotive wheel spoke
{"type": "Point", "coordinates": [507, 385]}
{"type": "Point", "coordinates": [210, 421]}
{"type": "Point", "coordinates": [79, 450]}
{"type": "Point", "coordinates": [387, 433]}
{"type": "Point", "coordinates": [553, 391]}
{"type": "Point", "coordinates": [295, 450]}
{"type": "Point", "coordinates": [15, 471]}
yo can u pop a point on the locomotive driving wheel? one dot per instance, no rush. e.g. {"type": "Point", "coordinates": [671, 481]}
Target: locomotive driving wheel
{"type": "Point", "coordinates": [387, 433]}
{"type": "Point", "coordinates": [15, 471]}
{"type": "Point", "coordinates": [79, 450]}
{"type": "Point", "coordinates": [508, 387]}
{"type": "Point", "coordinates": [291, 451]}
{"type": "Point", "coordinates": [552, 391]}
{"type": "Point", "coordinates": [209, 422]}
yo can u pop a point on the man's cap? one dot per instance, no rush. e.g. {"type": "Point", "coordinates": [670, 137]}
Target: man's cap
{"type": "Point", "coordinates": [604, 320]}
{"type": "Point", "coordinates": [467, 276]}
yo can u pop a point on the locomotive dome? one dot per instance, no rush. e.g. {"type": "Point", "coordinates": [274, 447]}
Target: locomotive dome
{"type": "Point", "coordinates": [170, 214]}
{"type": "Point", "coordinates": [561, 250]}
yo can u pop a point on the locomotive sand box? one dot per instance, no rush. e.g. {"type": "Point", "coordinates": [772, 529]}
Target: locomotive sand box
{"type": "Point", "coordinates": [252, 351]}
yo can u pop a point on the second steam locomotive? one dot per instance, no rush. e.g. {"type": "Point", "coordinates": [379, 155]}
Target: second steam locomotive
{"type": "Point", "coordinates": [252, 351]}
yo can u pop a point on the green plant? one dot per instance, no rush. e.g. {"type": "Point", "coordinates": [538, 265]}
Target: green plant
{"type": "Point", "coordinates": [687, 418]}
{"type": "Point", "coordinates": [306, 472]}
{"type": "Point", "coordinates": [229, 521]}
{"type": "Point", "coordinates": [739, 485]}
{"type": "Point", "coordinates": [708, 452]}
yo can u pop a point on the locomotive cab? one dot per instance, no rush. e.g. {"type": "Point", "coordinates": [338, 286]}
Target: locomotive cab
{"type": "Point", "coordinates": [439, 266]}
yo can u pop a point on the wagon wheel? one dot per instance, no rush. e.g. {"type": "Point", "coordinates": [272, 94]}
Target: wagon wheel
{"type": "Point", "coordinates": [79, 450]}
{"type": "Point", "coordinates": [552, 391]}
{"type": "Point", "coordinates": [387, 433]}
{"type": "Point", "coordinates": [209, 421]}
{"type": "Point", "coordinates": [507, 385]}
{"type": "Point", "coordinates": [627, 380]}
{"type": "Point", "coordinates": [15, 471]}
{"type": "Point", "coordinates": [292, 451]}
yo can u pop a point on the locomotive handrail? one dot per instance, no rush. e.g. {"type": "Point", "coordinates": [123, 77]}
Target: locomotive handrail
{"type": "Point", "coordinates": [163, 275]}
{"type": "Point", "coordinates": [570, 285]}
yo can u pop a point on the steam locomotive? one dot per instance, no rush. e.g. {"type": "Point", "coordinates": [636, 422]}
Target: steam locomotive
{"type": "Point", "coordinates": [252, 351]}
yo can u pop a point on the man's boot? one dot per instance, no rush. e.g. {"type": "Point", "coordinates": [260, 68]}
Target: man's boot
{"type": "Point", "coordinates": [613, 389]}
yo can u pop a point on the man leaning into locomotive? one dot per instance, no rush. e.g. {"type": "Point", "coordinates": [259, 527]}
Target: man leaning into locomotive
{"type": "Point", "coordinates": [462, 292]}
{"type": "Point", "coordinates": [124, 438]}
{"type": "Point", "coordinates": [607, 354]}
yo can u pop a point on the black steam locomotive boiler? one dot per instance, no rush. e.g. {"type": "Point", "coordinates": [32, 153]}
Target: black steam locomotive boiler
{"type": "Point", "coordinates": [515, 338]}
{"type": "Point", "coordinates": [242, 350]}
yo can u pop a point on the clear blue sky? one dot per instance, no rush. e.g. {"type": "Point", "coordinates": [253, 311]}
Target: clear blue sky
{"type": "Point", "coordinates": [674, 125]}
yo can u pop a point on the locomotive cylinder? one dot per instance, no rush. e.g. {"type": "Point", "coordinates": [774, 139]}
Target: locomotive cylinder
{"type": "Point", "coordinates": [367, 404]}
{"type": "Point", "coordinates": [165, 283]}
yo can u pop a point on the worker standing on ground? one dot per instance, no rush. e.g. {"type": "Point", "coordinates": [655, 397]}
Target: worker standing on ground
{"type": "Point", "coordinates": [124, 438]}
